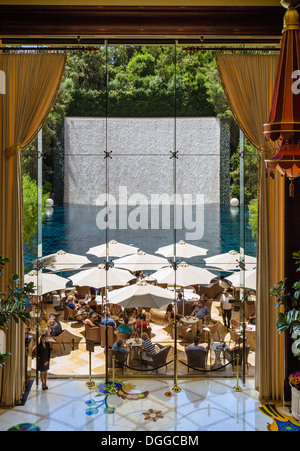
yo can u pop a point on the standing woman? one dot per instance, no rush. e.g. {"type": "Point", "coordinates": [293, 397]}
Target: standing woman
{"type": "Point", "coordinates": [43, 360]}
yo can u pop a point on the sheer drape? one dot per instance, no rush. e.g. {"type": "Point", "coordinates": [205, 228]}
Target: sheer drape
{"type": "Point", "coordinates": [248, 82]}
{"type": "Point", "coordinates": [32, 83]}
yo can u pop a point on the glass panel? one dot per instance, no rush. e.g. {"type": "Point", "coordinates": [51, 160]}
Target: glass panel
{"type": "Point", "coordinates": [117, 173]}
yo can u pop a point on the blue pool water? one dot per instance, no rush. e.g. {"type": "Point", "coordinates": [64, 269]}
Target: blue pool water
{"type": "Point", "coordinates": [74, 229]}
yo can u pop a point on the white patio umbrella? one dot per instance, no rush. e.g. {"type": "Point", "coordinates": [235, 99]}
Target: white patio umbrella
{"type": "Point", "coordinates": [62, 260]}
{"type": "Point", "coordinates": [49, 282]}
{"type": "Point", "coordinates": [185, 275]}
{"type": "Point", "coordinates": [229, 261]}
{"type": "Point", "coordinates": [98, 277]}
{"type": "Point", "coordinates": [141, 294]}
{"type": "Point", "coordinates": [183, 250]}
{"type": "Point", "coordinates": [114, 249]}
{"type": "Point", "coordinates": [250, 279]}
{"type": "Point", "coordinates": [141, 261]}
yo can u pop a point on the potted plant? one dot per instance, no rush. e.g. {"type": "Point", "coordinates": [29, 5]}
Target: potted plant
{"type": "Point", "coordinates": [12, 306]}
{"type": "Point", "coordinates": [289, 317]}
{"type": "Point", "coordinates": [294, 381]}
{"type": "Point", "coordinates": [289, 320]}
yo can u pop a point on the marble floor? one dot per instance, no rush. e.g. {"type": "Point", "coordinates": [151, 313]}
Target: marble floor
{"type": "Point", "coordinates": [147, 406]}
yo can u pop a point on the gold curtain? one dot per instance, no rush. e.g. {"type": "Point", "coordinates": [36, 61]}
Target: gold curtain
{"type": "Point", "coordinates": [248, 82]}
{"type": "Point", "coordinates": [31, 85]}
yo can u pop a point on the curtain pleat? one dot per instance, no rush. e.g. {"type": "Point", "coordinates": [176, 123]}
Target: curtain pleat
{"type": "Point", "coordinates": [248, 82]}
{"type": "Point", "coordinates": [32, 83]}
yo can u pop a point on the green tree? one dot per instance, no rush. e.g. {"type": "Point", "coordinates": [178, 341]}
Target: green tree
{"type": "Point", "coordinates": [30, 209]}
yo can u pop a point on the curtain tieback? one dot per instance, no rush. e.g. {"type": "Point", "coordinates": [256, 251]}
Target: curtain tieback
{"type": "Point", "coordinates": [12, 150]}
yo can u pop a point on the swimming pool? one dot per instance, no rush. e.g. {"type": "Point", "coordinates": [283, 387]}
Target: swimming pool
{"type": "Point", "coordinates": [73, 228]}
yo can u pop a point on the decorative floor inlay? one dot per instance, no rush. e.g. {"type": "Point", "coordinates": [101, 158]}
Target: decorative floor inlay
{"type": "Point", "coordinates": [24, 427]}
{"type": "Point", "coordinates": [153, 415]}
{"type": "Point", "coordinates": [281, 421]}
{"type": "Point", "coordinates": [103, 391]}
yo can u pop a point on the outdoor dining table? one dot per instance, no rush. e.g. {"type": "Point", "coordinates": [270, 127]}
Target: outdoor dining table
{"type": "Point", "coordinates": [218, 348]}
{"type": "Point", "coordinates": [134, 346]}
{"type": "Point", "coordinates": [190, 321]}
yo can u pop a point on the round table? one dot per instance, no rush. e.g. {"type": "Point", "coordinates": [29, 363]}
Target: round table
{"type": "Point", "coordinates": [134, 342]}
{"type": "Point", "coordinates": [191, 321]}
{"type": "Point", "coordinates": [218, 348]}
{"type": "Point", "coordinates": [134, 355]}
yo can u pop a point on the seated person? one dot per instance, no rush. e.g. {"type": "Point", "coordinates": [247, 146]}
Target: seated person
{"type": "Point", "coordinates": [124, 328]}
{"type": "Point", "coordinates": [90, 317]}
{"type": "Point", "coordinates": [170, 314]}
{"type": "Point", "coordinates": [134, 313]}
{"type": "Point", "coordinates": [108, 321]}
{"type": "Point", "coordinates": [140, 322]}
{"type": "Point", "coordinates": [141, 311]}
{"type": "Point", "coordinates": [118, 346]}
{"type": "Point", "coordinates": [252, 318]}
{"type": "Point", "coordinates": [93, 303]}
{"type": "Point", "coordinates": [71, 303]}
{"type": "Point", "coordinates": [56, 328]}
{"type": "Point", "coordinates": [44, 318]}
{"type": "Point", "coordinates": [147, 345]}
{"type": "Point", "coordinates": [201, 311]}
{"type": "Point", "coordinates": [195, 345]}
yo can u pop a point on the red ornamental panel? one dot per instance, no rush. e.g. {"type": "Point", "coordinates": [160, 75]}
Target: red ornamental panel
{"type": "Point", "coordinates": [283, 129]}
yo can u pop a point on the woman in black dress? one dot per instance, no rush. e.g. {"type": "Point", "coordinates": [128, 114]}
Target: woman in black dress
{"type": "Point", "coordinates": [43, 360]}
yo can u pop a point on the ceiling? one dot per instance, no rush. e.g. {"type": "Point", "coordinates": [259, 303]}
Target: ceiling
{"type": "Point", "coordinates": [60, 22]}
{"type": "Point", "coordinates": [144, 2]}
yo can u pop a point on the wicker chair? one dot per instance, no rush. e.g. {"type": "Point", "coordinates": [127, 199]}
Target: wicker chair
{"type": "Point", "coordinates": [111, 336]}
{"type": "Point", "coordinates": [196, 358]}
{"type": "Point", "coordinates": [59, 339]}
{"type": "Point", "coordinates": [235, 325]}
{"type": "Point", "coordinates": [123, 336]}
{"type": "Point", "coordinates": [231, 355]}
{"type": "Point", "coordinates": [235, 336]}
{"type": "Point", "coordinates": [212, 329]}
{"type": "Point", "coordinates": [71, 314]}
{"type": "Point", "coordinates": [120, 356]}
{"type": "Point", "coordinates": [93, 333]}
{"type": "Point", "coordinates": [159, 359]}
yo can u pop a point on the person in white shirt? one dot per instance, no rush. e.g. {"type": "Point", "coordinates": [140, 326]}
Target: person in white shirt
{"type": "Point", "coordinates": [225, 299]}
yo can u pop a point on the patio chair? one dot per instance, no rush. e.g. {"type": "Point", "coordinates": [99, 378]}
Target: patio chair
{"type": "Point", "coordinates": [71, 314]}
{"type": "Point", "coordinates": [235, 336]}
{"type": "Point", "coordinates": [93, 333]}
{"type": "Point", "coordinates": [231, 355]}
{"type": "Point", "coordinates": [120, 356]}
{"type": "Point", "coordinates": [212, 329]}
{"type": "Point", "coordinates": [59, 339]}
{"type": "Point", "coordinates": [123, 336]}
{"type": "Point", "coordinates": [159, 359]}
{"type": "Point", "coordinates": [111, 336]}
{"type": "Point", "coordinates": [196, 358]}
{"type": "Point", "coordinates": [235, 325]}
